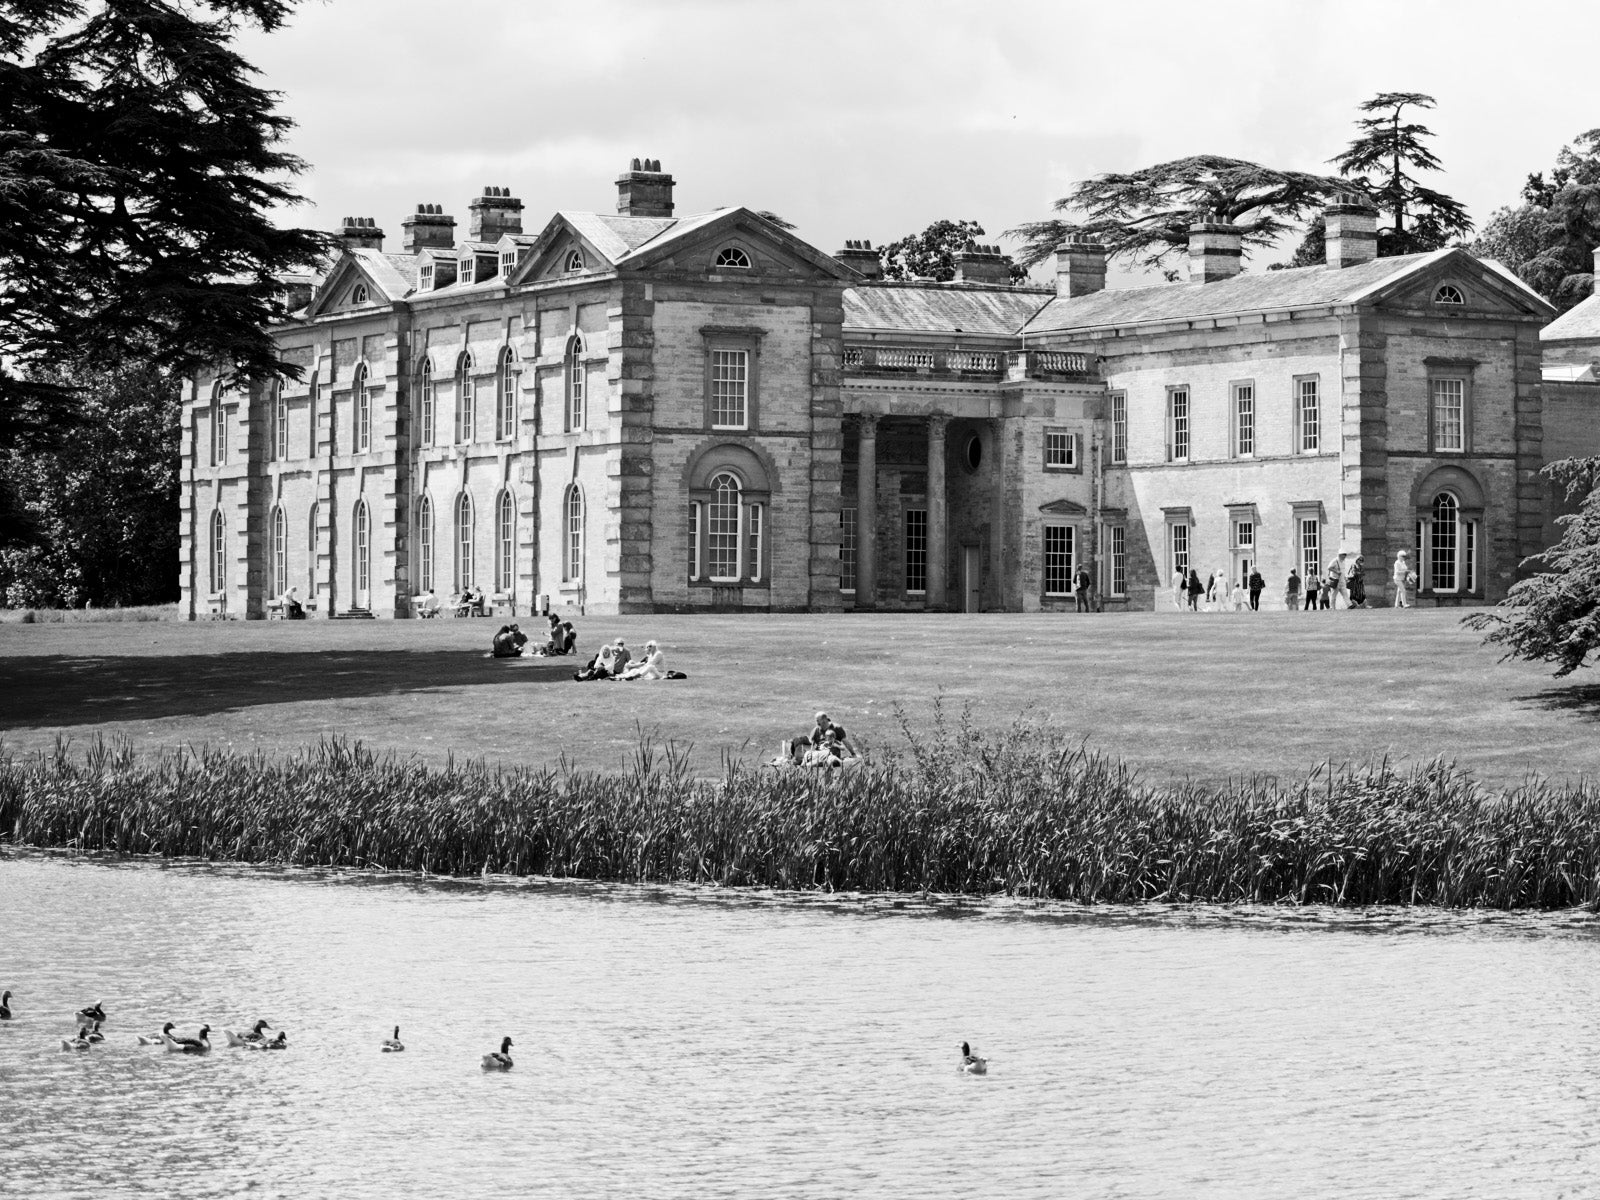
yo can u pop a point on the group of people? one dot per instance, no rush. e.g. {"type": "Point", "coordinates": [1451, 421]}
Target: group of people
{"type": "Point", "coordinates": [1315, 592]}
{"type": "Point", "coordinates": [510, 642]}
{"type": "Point", "coordinates": [616, 661]}
{"type": "Point", "coordinates": [470, 603]}
{"type": "Point", "coordinates": [826, 747]}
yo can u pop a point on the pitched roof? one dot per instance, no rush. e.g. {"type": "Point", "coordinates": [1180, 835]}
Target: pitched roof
{"type": "Point", "coordinates": [614, 236]}
{"type": "Point", "coordinates": [1301, 287]}
{"type": "Point", "coordinates": [1580, 322]}
{"type": "Point", "coordinates": [922, 307]}
{"type": "Point", "coordinates": [396, 274]}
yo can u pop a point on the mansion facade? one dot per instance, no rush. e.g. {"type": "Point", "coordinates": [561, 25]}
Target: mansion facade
{"type": "Point", "coordinates": [639, 412]}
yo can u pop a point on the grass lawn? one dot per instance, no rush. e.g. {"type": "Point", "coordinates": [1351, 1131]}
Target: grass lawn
{"type": "Point", "coordinates": [1202, 696]}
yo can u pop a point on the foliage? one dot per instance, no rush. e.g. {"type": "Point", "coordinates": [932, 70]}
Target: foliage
{"type": "Point", "coordinates": [1555, 616]}
{"type": "Point", "coordinates": [1384, 160]}
{"type": "Point", "coordinates": [1144, 216]}
{"type": "Point", "coordinates": [1026, 813]}
{"type": "Point", "coordinates": [94, 512]}
{"type": "Point", "coordinates": [1550, 238]}
{"type": "Point", "coordinates": [931, 254]}
{"type": "Point", "coordinates": [773, 218]}
{"type": "Point", "coordinates": [138, 165]}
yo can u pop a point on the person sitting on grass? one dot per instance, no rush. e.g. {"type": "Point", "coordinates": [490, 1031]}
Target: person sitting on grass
{"type": "Point", "coordinates": [652, 666]}
{"type": "Point", "coordinates": [508, 642]}
{"type": "Point", "coordinates": [819, 730]}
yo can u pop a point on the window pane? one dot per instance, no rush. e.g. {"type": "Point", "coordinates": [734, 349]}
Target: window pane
{"type": "Point", "coordinates": [916, 550]}
{"type": "Point", "coordinates": [574, 534]}
{"type": "Point", "coordinates": [1310, 548]}
{"type": "Point", "coordinates": [1179, 536]}
{"type": "Point", "coordinates": [729, 379]}
{"type": "Point", "coordinates": [1442, 552]}
{"type": "Point", "coordinates": [1059, 449]}
{"type": "Point", "coordinates": [694, 539]}
{"type": "Point", "coordinates": [429, 395]}
{"type": "Point", "coordinates": [505, 551]}
{"type": "Point", "coordinates": [1244, 400]}
{"type": "Point", "coordinates": [1057, 560]}
{"type": "Point", "coordinates": [464, 570]}
{"type": "Point", "coordinates": [1119, 561]}
{"type": "Point", "coordinates": [1310, 417]}
{"type": "Point", "coordinates": [1178, 440]}
{"type": "Point", "coordinates": [425, 546]}
{"type": "Point", "coordinates": [722, 529]}
{"type": "Point", "coordinates": [506, 414]}
{"type": "Point", "coordinates": [1448, 398]}
{"type": "Point", "coordinates": [576, 412]}
{"type": "Point", "coordinates": [754, 539]}
{"type": "Point", "coordinates": [847, 550]}
{"type": "Point", "coordinates": [1244, 535]}
{"type": "Point", "coordinates": [1119, 427]}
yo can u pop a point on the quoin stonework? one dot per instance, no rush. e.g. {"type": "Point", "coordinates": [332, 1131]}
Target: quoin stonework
{"type": "Point", "coordinates": [642, 412]}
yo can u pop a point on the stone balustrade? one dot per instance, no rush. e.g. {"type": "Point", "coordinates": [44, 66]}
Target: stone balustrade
{"type": "Point", "coordinates": [970, 364]}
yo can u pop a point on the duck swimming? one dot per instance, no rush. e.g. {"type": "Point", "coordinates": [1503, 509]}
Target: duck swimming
{"type": "Point", "coordinates": [5, 1007]}
{"type": "Point", "coordinates": [156, 1039]}
{"type": "Point", "coordinates": [95, 1035]}
{"type": "Point", "coordinates": [281, 1042]}
{"type": "Point", "coordinates": [88, 1015]}
{"type": "Point", "coordinates": [81, 1042]}
{"type": "Point", "coordinates": [971, 1063]}
{"type": "Point", "coordinates": [500, 1061]}
{"type": "Point", "coordinates": [194, 1045]}
{"type": "Point", "coordinates": [246, 1039]}
{"type": "Point", "coordinates": [392, 1045]}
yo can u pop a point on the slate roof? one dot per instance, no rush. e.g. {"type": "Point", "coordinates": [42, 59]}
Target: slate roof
{"type": "Point", "coordinates": [1302, 287]}
{"type": "Point", "coordinates": [615, 236]}
{"type": "Point", "coordinates": [941, 308]}
{"type": "Point", "coordinates": [396, 274]}
{"type": "Point", "coordinates": [1580, 322]}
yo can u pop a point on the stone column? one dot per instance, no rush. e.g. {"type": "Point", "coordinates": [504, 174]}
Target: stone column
{"type": "Point", "coordinates": [937, 599]}
{"type": "Point", "coordinates": [867, 514]}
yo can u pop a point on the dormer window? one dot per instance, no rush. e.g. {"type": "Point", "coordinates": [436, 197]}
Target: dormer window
{"type": "Point", "coordinates": [732, 256]}
{"type": "Point", "coordinates": [1448, 293]}
{"type": "Point", "coordinates": [574, 262]}
{"type": "Point", "coordinates": [358, 294]}
{"type": "Point", "coordinates": [425, 278]}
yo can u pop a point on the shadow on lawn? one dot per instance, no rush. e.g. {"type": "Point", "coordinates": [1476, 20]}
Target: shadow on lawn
{"type": "Point", "coordinates": [1585, 699]}
{"type": "Point", "coordinates": [69, 690]}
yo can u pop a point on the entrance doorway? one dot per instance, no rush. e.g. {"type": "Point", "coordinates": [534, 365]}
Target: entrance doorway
{"type": "Point", "coordinates": [971, 579]}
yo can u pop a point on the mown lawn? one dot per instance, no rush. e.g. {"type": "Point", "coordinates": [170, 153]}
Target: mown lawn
{"type": "Point", "coordinates": [1203, 696]}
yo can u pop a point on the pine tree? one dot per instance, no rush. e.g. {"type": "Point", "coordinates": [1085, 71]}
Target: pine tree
{"type": "Point", "coordinates": [1384, 159]}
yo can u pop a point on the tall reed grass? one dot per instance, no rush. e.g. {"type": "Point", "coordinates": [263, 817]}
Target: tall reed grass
{"type": "Point", "coordinates": [88, 616]}
{"type": "Point", "coordinates": [1027, 813]}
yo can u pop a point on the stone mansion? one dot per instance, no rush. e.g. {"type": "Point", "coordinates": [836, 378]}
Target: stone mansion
{"type": "Point", "coordinates": [639, 412]}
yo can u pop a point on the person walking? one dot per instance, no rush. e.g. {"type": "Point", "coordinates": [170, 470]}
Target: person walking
{"type": "Point", "coordinates": [1356, 582]}
{"type": "Point", "coordinates": [1257, 586]}
{"type": "Point", "coordinates": [1330, 587]}
{"type": "Point", "coordinates": [1404, 581]}
{"type": "Point", "coordinates": [1291, 593]}
{"type": "Point", "coordinates": [1081, 583]}
{"type": "Point", "coordinates": [1313, 585]}
{"type": "Point", "coordinates": [1196, 590]}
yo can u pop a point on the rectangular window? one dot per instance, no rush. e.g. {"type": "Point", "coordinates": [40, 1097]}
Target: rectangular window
{"type": "Point", "coordinates": [508, 263]}
{"type": "Point", "coordinates": [1060, 450]}
{"type": "Point", "coordinates": [847, 550]}
{"type": "Point", "coordinates": [1178, 425]}
{"type": "Point", "coordinates": [753, 536]}
{"type": "Point", "coordinates": [430, 394]}
{"type": "Point", "coordinates": [1244, 535]}
{"type": "Point", "coordinates": [280, 425]}
{"type": "Point", "coordinates": [311, 418]}
{"type": "Point", "coordinates": [219, 435]}
{"type": "Point", "coordinates": [1117, 545]}
{"type": "Point", "coordinates": [1308, 413]}
{"type": "Point", "coordinates": [363, 400]}
{"type": "Point", "coordinates": [1119, 427]}
{"type": "Point", "coordinates": [1178, 539]}
{"type": "Point", "coordinates": [1442, 561]}
{"type": "Point", "coordinates": [425, 278]}
{"type": "Point", "coordinates": [1058, 560]}
{"type": "Point", "coordinates": [1244, 420]}
{"type": "Point", "coordinates": [577, 384]}
{"type": "Point", "coordinates": [916, 550]}
{"type": "Point", "coordinates": [722, 539]}
{"type": "Point", "coordinates": [730, 377]}
{"type": "Point", "coordinates": [1469, 555]}
{"type": "Point", "coordinates": [1449, 414]}
{"type": "Point", "coordinates": [466, 418]}
{"type": "Point", "coordinates": [1310, 547]}
{"type": "Point", "coordinates": [694, 539]}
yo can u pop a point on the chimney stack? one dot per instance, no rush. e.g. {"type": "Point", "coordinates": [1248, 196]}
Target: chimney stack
{"type": "Point", "coordinates": [982, 264]}
{"type": "Point", "coordinates": [360, 233]}
{"type": "Point", "coordinates": [1080, 266]}
{"type": "Point", "coordinates": [861, 258]}
{"type": "Point", "coordinates": [493, 215]}
{"type": "Point", "coordinates": [645, 190]}
{"type": "Point", "coordinates": [1215, 249]}
{"type": "Point", "coordinates": [428, 229]}
{"type": "Point", "coordinates": [1351, 234]}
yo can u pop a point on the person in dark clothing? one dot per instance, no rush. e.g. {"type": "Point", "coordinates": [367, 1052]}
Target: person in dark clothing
{"type": "Point", "coordinates": [508, 642]}
{"type": "Point", "coordinates": [1080, 588]}
{"type": "Point", "coordinates": [1357, 585]}
{"type": "Point", "coordinates": [1196, 590]}
{"type": "Point", "coordinates": [1313, 584]}
{"type": "Point", "coordinates": [1257, 586]}
{"type": "Point", "coordinates": [1291, 591]}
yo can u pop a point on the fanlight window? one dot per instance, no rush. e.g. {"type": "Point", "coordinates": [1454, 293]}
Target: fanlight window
{"type": "Point", "coordinates": [732, 256]}
{"type": "Point", "coordinates": [358, 294]}
{"type": "Point", "coordinates": [574, 261]}
{"type": "Point", "coordinates": [726, 526]}
{"type": "Point", "coordinates": [1448, 293]}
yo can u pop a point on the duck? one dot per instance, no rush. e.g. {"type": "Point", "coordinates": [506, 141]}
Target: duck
{"type": "Point", "coordinates": [5, 1007]}
{"type": "Point", "coordinates": [393, 1045]}
{"type": "Point", "coordinates": [281, 1042]}
{"type": "Point", "coordinates": [81, 1042]}
{"type": "Point", "coordinates": [95, 1035]}
{"type": "Point", "coordinates": [248, 1039]}
{"type": "Point", "coordinates": [88, 1015]}
{"type": "Point", "coordinates": [157, 1039]}
{"type": "Point", "coordinates": [194, 1045]}
{"type": "Point", "coordinates": [971, 1063]}
{"type": "Point", "coordinates": [500, 1061]}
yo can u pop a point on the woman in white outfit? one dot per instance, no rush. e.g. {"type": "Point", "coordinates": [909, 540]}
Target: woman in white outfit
{"type": "Point", "coordinates": [1403, 581]}
{"type": "Point", "coordinates": [652, 666]}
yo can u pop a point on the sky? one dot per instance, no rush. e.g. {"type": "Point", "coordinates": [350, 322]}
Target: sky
{"type": "Point", "coordinates": [873, 118]}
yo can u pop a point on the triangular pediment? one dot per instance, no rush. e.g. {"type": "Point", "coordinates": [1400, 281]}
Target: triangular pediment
{"type": "Point", "coordinates": [349, 287]}
{"type": "Point", "coordinates": [1064, 508]}
{"type": "Point", "coordinates": [550, 257]}
{"type": "Point", "coordinates": [712, 243]}
{"type": "Point", "coordinates": [1457, 283]}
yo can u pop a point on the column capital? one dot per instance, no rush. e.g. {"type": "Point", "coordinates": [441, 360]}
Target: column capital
{"type": "Point", "coordinates": [867, 424]}
{"type": "Point", "coordinates": [938, 423]}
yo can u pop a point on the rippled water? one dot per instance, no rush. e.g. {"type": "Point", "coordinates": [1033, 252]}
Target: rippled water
{"type": "Point", "coordinates": [679, 1043]}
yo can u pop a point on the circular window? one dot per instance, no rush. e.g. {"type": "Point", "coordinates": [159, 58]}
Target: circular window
{"type": "Point", "coordinates": [972, 452]}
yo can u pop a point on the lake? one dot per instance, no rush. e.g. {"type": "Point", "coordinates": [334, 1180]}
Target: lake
{"type": "Point", "coordinates": [674, 1042]}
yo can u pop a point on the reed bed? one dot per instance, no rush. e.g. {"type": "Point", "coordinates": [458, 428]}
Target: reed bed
{"type": "Point", "coordinates": [1025, 813]}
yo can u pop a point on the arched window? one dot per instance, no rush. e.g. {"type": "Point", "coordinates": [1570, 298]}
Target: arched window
{"type": "Point", "coordinates": [362, 537]}
{"type": "Point", "coordinates": [505, 417]}
{"type": "Point", "coordinates": [278, 554]}
{"type": "Point", "coordinates": [722, 529]}
{"type": "Point", "coordinates": [358, 294]}
{"type": "Point", "coordinates": [728, 497]}
{"type": "Point", "coordinates": [465, 418]}
{"type": "Point", "coordinates": [426, 397]}
{"type": "Point", "coordinates": [219, 552]}
{"type": "Point", "coordinates": [575, 384]}
{"type": "Point", "coordinates": [1452, 547]}
{"type": "Point", "coordinates": [505, 544]}
{"type": "Point", "coordinates": [425, 545]}
{"type": "Point", "coordinates": [572, 559]}
{"type": "Point", "coordinates": [279, 408]}
{"type": "Point", "coordinates": [464, 537]}
{"type": "Point", "coordinates": [732, 256]}
{"type": "Point", "coordinates": [574, 261]}
{"type": "Point", "coordinates": [363, 410]}
{"type": "Point", "coordinates": [219, 427]}
{"type": "Point", "coordinates": [1448, 293]}
{"type": "Point", "coordinates": [313, 549]}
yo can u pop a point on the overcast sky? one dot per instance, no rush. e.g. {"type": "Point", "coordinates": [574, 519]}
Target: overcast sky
{"type": "Point", "coordinates": [872, 118]}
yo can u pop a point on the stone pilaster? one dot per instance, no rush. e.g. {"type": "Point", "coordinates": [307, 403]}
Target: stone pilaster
{"type": "Point", "coordinates": [631, 372]}
{"type": "Point", "coordinates": [1363, 451]}
{"type": "Point", "coordinates": [867, 513]}
{"type": "Point", "coordinates": [827, 448]}
{"type": "Point", "coordinates": [938, 517]}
